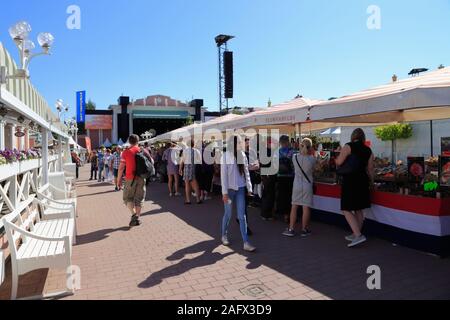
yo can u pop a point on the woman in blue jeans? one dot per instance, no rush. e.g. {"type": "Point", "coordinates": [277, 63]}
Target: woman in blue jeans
{"type": "Point", "coordinates": [236, 184]}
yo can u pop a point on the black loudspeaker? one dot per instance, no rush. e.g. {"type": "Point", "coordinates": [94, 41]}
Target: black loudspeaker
{"type": "Point", "coordinates": [124, 101]}
{"type": "Point", "coordinates": [124, 120]}
{"type": "Point", "coordinates": [228, 72]}
{"type": "Point", "coordinates": [197, 104]}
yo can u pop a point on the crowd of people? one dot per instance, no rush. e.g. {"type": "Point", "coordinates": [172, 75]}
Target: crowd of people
{"type": "Point", "coordinates": [237, 173]}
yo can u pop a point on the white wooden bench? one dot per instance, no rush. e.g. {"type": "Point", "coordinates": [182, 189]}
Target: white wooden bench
{"type": "Point", "coordinates": [47, 193]}
{"type": "Point", "coordinates": [2, 267]}
{"type": "Point", "coordinates": [52, 210]}
{"type": "Point", "coordinates": [36, 244]}
{"type": "Point", "coordinates": [62, 187]}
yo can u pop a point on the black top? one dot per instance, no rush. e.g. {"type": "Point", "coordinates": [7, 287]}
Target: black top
{"type": "Point", "coordinates": [356, 186]}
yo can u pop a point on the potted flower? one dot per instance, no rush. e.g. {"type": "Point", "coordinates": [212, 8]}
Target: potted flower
{"type": "Point", "coordinates": [28, 160]}
{"type": "Point", "coordinates": [11, 167]}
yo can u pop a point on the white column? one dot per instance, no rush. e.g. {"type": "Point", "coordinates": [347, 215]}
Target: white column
{"type": "Point", "coordinates": [27, 139]}
{"type": "Point", "coordinates": [2, 134]}
{"type": "Point", "coordinates": [44, 156]}
{"type": "Point", "coordinates": [11, 137]}
{"type": "Point", "coordinates": [61, 154]}
{"type": "Point", "coordinates": [68, 157]}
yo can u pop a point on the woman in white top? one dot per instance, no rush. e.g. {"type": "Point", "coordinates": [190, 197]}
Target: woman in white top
{"type": "Point", "coordinates": [236, 184]}
{"type": "Point", "coordinates": [302, 194]}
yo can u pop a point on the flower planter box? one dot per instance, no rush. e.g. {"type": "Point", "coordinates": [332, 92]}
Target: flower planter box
{"type": "Point", "coordinates": [9, 170]}
{"type": "Point", "coordinates": [29, 165]}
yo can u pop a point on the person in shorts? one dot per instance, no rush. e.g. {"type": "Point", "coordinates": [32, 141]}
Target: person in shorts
{"type": "Point", "coordinates": [134, 189]}
{"type": "Point", "coordinates": [115, 165]}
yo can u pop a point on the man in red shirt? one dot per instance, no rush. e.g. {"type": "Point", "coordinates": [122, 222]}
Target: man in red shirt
{"type": "Point", "coordinates": [134, 189]}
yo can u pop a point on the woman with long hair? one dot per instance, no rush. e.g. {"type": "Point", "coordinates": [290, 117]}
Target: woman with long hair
{"type": "Point", "coordinates": [358, 176]}
{"type": "Point", "coordinates": [236, 184]}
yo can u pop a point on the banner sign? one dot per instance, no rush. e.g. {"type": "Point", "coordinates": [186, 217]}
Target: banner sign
{"type": "Point", "coordinates": [99, 122]}
{"type": "Point", "coordinates": [81, 106]}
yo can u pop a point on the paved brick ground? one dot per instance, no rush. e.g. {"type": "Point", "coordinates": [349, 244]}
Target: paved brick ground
{"type": "Point", "coordinates": [176, 254]}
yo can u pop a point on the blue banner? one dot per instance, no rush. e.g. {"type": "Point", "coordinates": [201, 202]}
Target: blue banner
{"type": "Point", "coordinates": [81, 106]}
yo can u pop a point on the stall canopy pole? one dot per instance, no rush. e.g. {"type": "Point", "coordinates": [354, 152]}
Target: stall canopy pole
{"type": "Point", "coordinates": [432, 138]}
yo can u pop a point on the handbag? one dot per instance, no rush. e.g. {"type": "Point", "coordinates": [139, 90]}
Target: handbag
{"type": "Point", "coordinates": [350, 166]}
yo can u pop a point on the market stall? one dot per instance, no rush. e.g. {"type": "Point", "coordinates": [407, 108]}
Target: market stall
{"type": "Point", "coordinates": [411, 201]}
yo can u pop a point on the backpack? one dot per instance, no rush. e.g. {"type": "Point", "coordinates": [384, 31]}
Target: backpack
{"type": "Point", "coordinates": [144, 167]}
{"type": "Point", "coordinates": [285, 167]}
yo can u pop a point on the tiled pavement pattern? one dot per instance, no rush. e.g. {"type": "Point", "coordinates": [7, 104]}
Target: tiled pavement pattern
{"type": "Point", "coordinates": [176, 254]}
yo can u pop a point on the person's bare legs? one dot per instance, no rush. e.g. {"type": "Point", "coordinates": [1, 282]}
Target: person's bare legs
{"type": "Point", "coordinates": [177, 183]}
{"type": "Point", "coordinates": [137, 211]}
{"type": "Point", "coordinates": [293, 220]}
{"type": "Point", "coordinates": [360, 217]}
{"type": "Point", "coordinates": [130, 206]}
{"type": "Point", "coordinates": [169, 183]}
{"type": "Point", "coordinates": [196, 188]}
{"type": "Point", "coordinates": [187, 190]}
{"type": "Point", "coordinates": [306, 217]}
{"type": "Point", "coordinates": [353, 223]}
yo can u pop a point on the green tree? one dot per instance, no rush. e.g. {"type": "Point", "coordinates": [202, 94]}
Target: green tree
{"type": "Point", "coordinates": [393, 133]}
{"type": "Point", "coordinates": [189, 121]}
{"type": "Point", "coordinates": [91, 106]}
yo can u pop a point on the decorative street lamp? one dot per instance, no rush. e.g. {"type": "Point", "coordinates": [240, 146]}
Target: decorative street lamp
{"type": "Point", "coordinates": [19, 33]}
{"type": "Point", "coordinates": [61, 107]}
{"type": "Point", "coordinates": [73, 128]}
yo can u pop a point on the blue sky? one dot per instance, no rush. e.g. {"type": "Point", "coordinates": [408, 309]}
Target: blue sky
{"type": "Point", "coordinates": [320, 49]}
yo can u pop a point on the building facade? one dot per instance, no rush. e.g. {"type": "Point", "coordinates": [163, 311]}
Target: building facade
{"type": "Point", "coordinates": [157, 114]}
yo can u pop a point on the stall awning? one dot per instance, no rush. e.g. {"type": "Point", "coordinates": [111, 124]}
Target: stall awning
{"type": "Point", "coordinates": [160, 114]}
{"type": "Point", "coordinates": [426, 97]}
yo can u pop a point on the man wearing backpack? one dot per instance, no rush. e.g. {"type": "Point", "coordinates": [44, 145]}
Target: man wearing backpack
{"type": "Point", "coordinates": [135, 174]}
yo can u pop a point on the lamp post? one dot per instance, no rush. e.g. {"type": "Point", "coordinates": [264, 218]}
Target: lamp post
{"type": "Point", "coordinates": [61, 107]}
{"type": "Point", "coordinates": [73, 129]}
{"type": "Point", "coordinates": [20, 33]}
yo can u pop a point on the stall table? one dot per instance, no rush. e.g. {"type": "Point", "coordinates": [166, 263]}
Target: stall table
{"type": "Point", "coordinates": [417, 222]}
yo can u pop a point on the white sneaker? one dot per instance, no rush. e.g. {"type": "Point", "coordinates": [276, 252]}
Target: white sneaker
{"type": "Point", "coordinates": [177, 194]}
{"type": "Point", "coordinates": [249, 248]}
{"type": "Point", "coordinates": [350, 238]}
{"type": "Point", "coordinates": [225, 241]}
{"type": "Point", "coordinates": [357, 241]}
{"type": "Point", "coordinates": [171, 195]}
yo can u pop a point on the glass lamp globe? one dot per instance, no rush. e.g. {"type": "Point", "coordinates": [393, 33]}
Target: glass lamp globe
{"type": "Point", "coordinates": [46, 40]}
{"type": "Point", "coordinates": [28, 46]}
{"type": "Point", "coordinates": [59, 104]}
{"type": "Point", "coordinates": [20, 30]}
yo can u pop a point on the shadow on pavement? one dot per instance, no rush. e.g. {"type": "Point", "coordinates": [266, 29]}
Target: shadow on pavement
{"type": "Point", "coordinates": [322, 262]}
{"type": "Point", "coordinates": [98, 235]}
{"type": "Point", "coordinates": [208, 257]}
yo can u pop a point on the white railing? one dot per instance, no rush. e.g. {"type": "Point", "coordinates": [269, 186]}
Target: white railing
{"type": "Point", "coordinates": [19, 182]}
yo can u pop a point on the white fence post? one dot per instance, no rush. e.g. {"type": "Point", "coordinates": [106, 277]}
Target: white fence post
{"type": "Point", "coordinates": [45, 167]}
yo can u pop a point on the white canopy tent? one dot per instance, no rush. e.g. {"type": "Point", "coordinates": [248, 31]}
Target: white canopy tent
{"type": "Point", "coordinates": [425, 97]}
{"type": "Point", "coordinates": [107, 143]}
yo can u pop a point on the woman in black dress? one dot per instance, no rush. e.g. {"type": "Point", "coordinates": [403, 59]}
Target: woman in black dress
{"type": "Point", "coordinates": [356, 185]}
